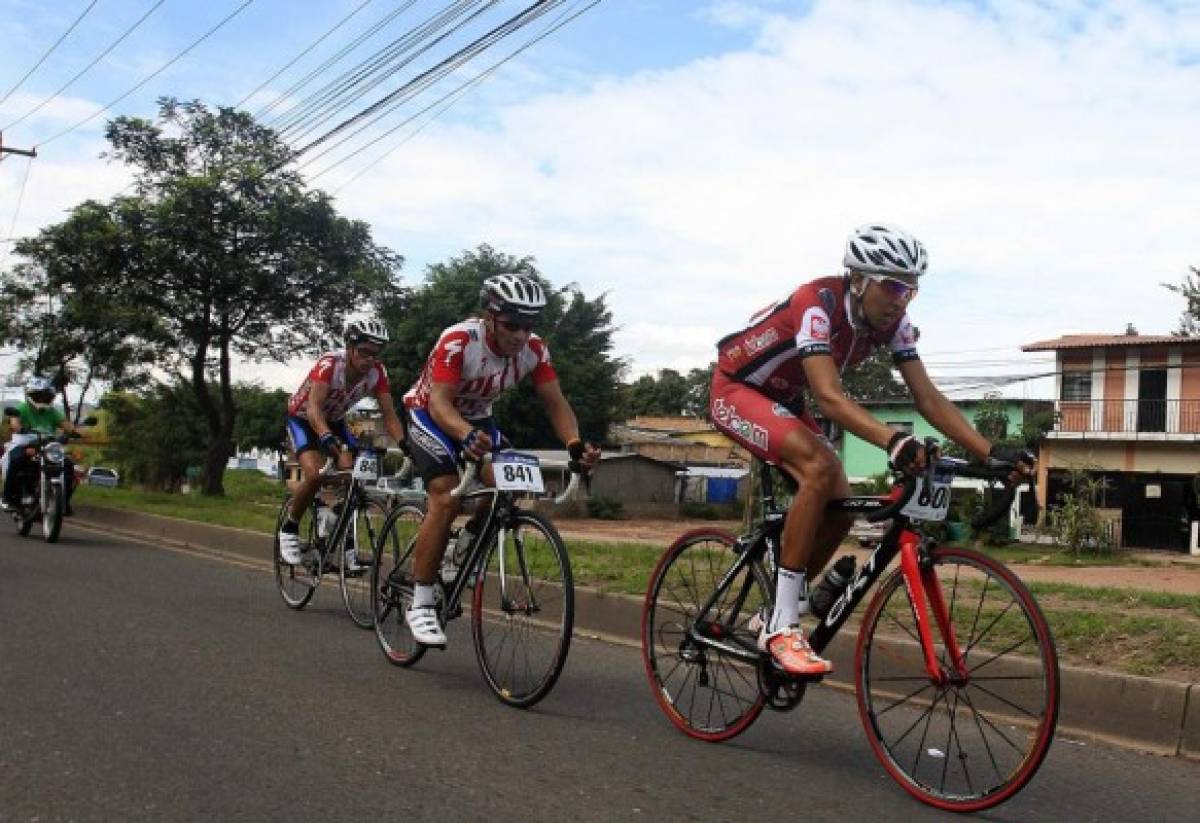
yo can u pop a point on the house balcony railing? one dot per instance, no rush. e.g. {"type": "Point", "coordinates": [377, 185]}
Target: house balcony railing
{"type": "Point", "coordinates": [1128, 419]}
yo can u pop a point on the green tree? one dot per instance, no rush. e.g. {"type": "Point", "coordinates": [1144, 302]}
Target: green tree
{"type": "Point", "coordinates": [872, 379]}
{"type": "Point", "coordinates": [260, 416]}
{"type": "Point", "coordinates": [228, 250]}
{"type": "Point", "coordinates": [577, 330]}
{"type": "Point", "coordinates": [155, 436]}
{"type": "Point", "coordinates": [1189, 289]}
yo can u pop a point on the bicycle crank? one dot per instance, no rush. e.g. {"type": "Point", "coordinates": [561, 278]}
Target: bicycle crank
{"type": "Point", "coordinates": [780, 691]}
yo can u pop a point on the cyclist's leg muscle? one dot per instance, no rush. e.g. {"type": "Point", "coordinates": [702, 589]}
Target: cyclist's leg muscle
{"type": "Point", "coordinates": [810, 536]}
{"type": "Point", "coordinates": [441, 509]}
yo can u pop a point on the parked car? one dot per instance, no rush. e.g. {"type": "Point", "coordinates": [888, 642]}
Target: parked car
{"type": "Point", "coordinates": [102, 476]}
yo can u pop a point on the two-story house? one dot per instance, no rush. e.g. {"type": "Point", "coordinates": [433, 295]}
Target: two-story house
{"type": "Point", "coordinates": [1128, 411]}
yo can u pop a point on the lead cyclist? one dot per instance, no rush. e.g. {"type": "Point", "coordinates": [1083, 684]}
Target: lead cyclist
{"type": "Point", "coordinates": [450, 417]}
{"type": "Point", "coordinates": [808, 341]}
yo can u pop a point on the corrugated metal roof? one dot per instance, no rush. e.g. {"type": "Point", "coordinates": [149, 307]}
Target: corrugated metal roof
{"type": "Point", "coordinates": [1088, 341]}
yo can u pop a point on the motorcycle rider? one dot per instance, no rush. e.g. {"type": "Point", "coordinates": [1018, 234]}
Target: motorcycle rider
{"type": "Point", "coordinates": [36, 415]}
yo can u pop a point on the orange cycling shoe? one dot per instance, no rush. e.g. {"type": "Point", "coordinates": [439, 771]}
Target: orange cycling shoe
{"type": "Point", "coordinates": [792, 654]}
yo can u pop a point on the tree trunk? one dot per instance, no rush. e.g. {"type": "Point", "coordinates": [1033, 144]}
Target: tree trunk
{"type": "Point", "coordinates": [220, 445]}
{"type": "Point", "coordinates": [212, 478]}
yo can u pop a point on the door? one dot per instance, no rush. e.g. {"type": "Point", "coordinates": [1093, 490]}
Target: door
{"type": "Point", "coordinates": [1152, 400]}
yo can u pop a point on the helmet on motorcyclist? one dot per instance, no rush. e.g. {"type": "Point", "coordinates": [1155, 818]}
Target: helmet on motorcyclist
{"type": "Point", "coordinates": [39, 392]}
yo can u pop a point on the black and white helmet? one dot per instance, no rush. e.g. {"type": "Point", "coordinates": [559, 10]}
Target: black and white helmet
{"type": "Point", "coordinates": [515, 294]}
{"type": "Point", "coordinates": [39, 391]}
{"type": "Point", "coordinates": [365, 330]}
{"type": "Point", "coordinates": [877, 248]}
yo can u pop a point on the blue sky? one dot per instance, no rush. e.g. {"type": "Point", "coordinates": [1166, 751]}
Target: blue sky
{"type": "Point", "coordinates": [696, 160]}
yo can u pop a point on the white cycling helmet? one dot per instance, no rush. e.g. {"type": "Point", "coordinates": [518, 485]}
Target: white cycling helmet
{"type": "Point", "coordinates": [39, 392]}
{"type": "Point", "coordinates": [877, 248]}
{"type": "Point", "coordinates": [367, 330]}
{"type": "Point", "coordinates": [515, 294]}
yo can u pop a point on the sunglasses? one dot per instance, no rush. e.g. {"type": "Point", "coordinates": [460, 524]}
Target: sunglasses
{"type": "Point", "coordinates": [896, 289]}
{"type": "Point", "coordinates": [367, 351]}
{"type": "Point", "coordinates": [513, 327]}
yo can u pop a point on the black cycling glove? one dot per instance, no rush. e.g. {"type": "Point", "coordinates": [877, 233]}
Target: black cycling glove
{"type": "Point", "coordinates": [1011, 455]}
{"type": "Point", "coordinates": [903, 451]}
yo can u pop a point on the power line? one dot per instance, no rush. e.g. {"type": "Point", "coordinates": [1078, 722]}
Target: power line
{"type": "Point", "coordinates": [310, 47]}
{"type": "Point", "coordinates": [452, 97]}
{"type": "Point", "coordinates": [42, 59]}
{"type": "Point", "coordinates": [388, 102]}
{"type": "Point", "coordinates": [153, 74]}
{"type": "Point", "coordinates": [17, 211]}
{"type": "Point", "coordinates": [86, 68]}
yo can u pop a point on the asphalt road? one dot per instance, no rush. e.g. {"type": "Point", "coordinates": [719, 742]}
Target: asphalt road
{"type": "Point", "coordinates": [142, 683]}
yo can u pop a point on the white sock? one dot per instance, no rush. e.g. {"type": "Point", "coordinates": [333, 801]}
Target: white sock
{"type": "Point", "coordinates": [423, 595]}
{"type": "Point", "coordinates": [788, 592]}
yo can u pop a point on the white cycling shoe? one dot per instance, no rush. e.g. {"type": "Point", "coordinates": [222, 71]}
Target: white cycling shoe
{"type": "Point", "coordinates": [289, 548]}
{"type": "Point", "coordinates": [423, 623]}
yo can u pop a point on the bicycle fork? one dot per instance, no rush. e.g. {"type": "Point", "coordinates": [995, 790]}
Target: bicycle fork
{"type": "Point", "coordinates": [924, 594]}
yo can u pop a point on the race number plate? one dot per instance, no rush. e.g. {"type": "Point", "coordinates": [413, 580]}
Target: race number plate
{"type": "Point", "coordinates": [516, 472]}
{"type": "Point", "coordinates": [931, 501]}
{"type": "Point", "coordinates": [366, 466]}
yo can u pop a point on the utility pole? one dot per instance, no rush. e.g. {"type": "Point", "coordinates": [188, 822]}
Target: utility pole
{"type": "Point", "coordinates": [6, 150]}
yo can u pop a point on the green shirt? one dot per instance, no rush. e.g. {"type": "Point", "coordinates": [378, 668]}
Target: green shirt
{"type": "Point", "coordinates": [44, 421]}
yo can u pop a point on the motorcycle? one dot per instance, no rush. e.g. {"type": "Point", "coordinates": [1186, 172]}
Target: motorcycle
{"type": "Point", "coordinates": [42, 494]}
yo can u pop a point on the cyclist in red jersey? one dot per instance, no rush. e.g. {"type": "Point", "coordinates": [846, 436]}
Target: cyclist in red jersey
{"type": "Point", "coordinates": [316, 424]}
{"type": "Point", "coordinates": [450, 417]}
{"type": "Point", "coordinates": [808, 341]}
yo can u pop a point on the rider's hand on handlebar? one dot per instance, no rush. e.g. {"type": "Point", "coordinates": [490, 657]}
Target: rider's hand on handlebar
{"type": "Point", "coordinates": [584, 455]}
{"type": "Point", "coordinates": [331, 445]}
{"type": "Point", "coordinates": [906, 454]}
{"type": "Point", "coordinates": [1024, 461]}
{"type": "Point", "coordinates": [476, 444]}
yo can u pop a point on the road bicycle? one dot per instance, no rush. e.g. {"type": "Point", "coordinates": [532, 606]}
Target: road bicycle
{"type": "Point", "coordinates": [329, 532]}
{"type": "Point", "coordinates": [961, 719]}
{"type": "Point", "coordinates": [514, 569]}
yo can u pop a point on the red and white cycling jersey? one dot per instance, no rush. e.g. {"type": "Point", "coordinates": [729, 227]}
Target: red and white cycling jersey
{"type": "Point", "coordinates": [463, 357]}
{"type": "Point", "coordinates": [815, 319]}
{"type": "Point", "coordinates": [331, 370]}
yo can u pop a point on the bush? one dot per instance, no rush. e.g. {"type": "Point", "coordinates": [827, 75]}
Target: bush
{"type": "Point", "coordinates": [605, 508]}
{"type": "Point", "coordinates": [1075, 523]}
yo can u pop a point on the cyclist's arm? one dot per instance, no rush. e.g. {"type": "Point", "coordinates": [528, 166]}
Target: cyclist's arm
{"type": "Point", "coordinates": [387, 407]}
{"type": "Point", "coordinates": [445, 413]}
{"type": "Point", "coordinates": [831, 398]}
{"type": "Point", "coordinates": [562, 416]}
{"type": "Point", "coordinates": [940, 412]}
{"type": "Point", "coordinates": [315, 408]}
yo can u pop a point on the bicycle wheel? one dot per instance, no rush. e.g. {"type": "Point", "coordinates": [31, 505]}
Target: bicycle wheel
{"type": "Point", "coordinates": [971, 743]}
{"type": "Point", "coordinates": [707, 693]}
{"type": "Point", "coordinates": [356, 585]}
{"type": "Point", "coordinates": [52, 516]}
{"type": "Point", "coordinates": [523, 610]}
{"type": "Point", "coordinates": [297, 584]}
{"type": "Point", "coordinates": [392, 584]}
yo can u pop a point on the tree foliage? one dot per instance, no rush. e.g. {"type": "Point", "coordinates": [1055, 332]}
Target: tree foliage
{"type": "Point", "coordinates": [667, 394]}
{"type": "Point", "coordinates": [1189, 289]}
{"type": "Point", "coordinates": [225, 248]}
{"type": "Point", "coordinates": [872, 379]}
{"type": "Point", "coordinates": [155, 436]}
{"type": "Point", "coordinates": [577, 330]}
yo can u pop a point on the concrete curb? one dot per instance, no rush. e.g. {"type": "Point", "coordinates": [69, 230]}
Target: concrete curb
{"type": "Point", "coordinates": [1159, 716]}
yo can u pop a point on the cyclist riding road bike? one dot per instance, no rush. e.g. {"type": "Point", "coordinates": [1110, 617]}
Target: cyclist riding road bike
{"type": "Point", "coordinates": [808, 341]}
{"type": "Point", "coordinates": [450, 417]}
{"type": "Point", "coordinates": [316, 424]}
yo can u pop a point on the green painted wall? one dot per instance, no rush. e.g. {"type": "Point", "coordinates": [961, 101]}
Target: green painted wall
{"type": "Point", "coordinates": [862, 459]}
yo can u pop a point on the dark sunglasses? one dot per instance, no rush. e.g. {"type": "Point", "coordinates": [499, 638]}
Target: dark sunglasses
{"type": "Point", "coordinates": [896, 289]}
{"type": "Point", "coordinates": [513, 327]}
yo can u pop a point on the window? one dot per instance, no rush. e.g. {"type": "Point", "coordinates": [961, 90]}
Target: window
{"type": "Point", "coordinates": [905, 426]}
{"type": "Point", "coordinates": [1077, 385]}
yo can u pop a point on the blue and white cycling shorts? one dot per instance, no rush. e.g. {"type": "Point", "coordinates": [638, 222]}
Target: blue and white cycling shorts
{"type": "Point", "coordinates": [434, 453]}
{"type": "Point", "coordinates": [303, 438]}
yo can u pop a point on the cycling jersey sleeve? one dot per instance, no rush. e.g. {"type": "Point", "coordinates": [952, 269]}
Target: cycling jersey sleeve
{"type": "Point", "coordinates": [813, 332]}
{"type": "Point", "coordinates": [323, 369]}
{"type": "Point", "coordinates": [904, 342]}
{"type": "Point", "coordinates": [447, 358]}
{"type": "Point", "coordinates": [382, 386]}
{"type": "Point", "coordinates": [543, 371]}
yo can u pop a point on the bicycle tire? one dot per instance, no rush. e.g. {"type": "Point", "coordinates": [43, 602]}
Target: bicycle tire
{"type": "Point", "coordinates": [392, 582]}
{"type": "Point", "coordinates": [522, 624]}
{"type": "Point", "coordinates": [971, 745]}
{"type": "Point", "coordinates": [296, 584]}
{"type": "Point", "coordinates": [52, 517]}
{"type": "Point", "coordinates": [357, 594]}
{"type": "Point", "coordinates": [705, 693]}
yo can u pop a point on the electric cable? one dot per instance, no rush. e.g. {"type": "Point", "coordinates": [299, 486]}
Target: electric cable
{"type": "Point", "coordinates": [42, 59]}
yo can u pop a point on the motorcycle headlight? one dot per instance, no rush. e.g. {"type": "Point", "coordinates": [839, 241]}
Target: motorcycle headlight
{"type": "Point", "coordinates": [53, 452]}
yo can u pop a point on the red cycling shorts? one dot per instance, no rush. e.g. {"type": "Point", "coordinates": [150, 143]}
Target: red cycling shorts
{"type": "Point", "coordinates": [754, 421]}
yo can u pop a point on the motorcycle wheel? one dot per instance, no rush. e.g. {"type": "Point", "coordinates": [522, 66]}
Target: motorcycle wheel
{"type": "Point", "coordinates": [52, 516]}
